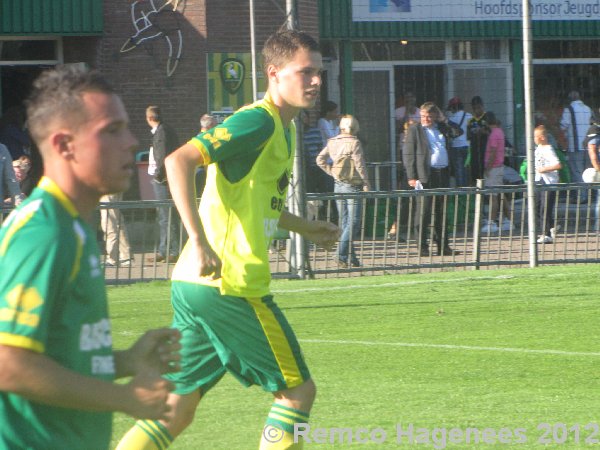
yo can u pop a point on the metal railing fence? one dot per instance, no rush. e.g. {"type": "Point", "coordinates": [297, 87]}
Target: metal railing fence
{"type": "Point", "coordinates": [465, 216]}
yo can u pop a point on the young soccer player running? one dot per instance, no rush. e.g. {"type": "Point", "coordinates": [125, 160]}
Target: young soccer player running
{"type": "Point", "coordinates": [220, 291]}
{"type": "Point", "coordinates": [56, 357]}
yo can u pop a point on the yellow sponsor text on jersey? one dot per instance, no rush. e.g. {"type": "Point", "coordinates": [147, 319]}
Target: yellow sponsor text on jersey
{"type": "Point", "coordinates": [21, 302]}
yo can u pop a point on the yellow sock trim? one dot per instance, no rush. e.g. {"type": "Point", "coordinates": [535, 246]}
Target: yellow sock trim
{"type": "Point", "coordinates": [274, 438]}
{"type": "Point", "coordinates": [145, 435]}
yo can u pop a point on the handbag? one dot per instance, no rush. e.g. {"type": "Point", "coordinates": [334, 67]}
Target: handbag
{"type": "Point", "coordinates": [344, 170]}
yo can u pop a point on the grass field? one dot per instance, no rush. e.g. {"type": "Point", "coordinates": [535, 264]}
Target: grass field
{"type": "Point", "coordinates": [512, 351]}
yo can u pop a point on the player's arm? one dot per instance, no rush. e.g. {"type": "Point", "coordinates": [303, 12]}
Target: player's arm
{"type": "Point", "coordinates": [320, 232]}
{"type": "Point", "coordinates": [38, 378]}
{"type": "Point", "coordinates": [181, 172]}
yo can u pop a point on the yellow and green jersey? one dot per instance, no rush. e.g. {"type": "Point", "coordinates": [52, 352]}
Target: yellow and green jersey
{"type": "Point", "coordinates": [251, 156]}
{"type": "Point", "coordinates": [53, 302]}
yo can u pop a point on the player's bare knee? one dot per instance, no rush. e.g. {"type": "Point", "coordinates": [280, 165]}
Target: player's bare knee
{"type": "Point", "coordinates": [300, 397]}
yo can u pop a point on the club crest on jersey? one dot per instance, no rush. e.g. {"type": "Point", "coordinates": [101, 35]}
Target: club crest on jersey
{"type": "Point", "coordinates": [232, 73]}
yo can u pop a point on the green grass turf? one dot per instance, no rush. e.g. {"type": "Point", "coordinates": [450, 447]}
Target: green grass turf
{"type": "Point", "coordinates": [357, 333]}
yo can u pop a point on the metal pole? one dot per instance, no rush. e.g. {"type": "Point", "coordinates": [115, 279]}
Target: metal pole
{"type": "Point", "coordinates": [528, 86]}
{"type": "Point", "coordinates": [298, 197]}
{"type": "Point", "coordinates": [253, 53]}
{"type": "Point", "coordinates": [477, 225]}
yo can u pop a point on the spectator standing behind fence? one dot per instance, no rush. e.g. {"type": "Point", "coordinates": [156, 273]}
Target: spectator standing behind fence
{"type": "Point", "coordinates": [328, 122]}
{"type": "Point", "coordinates": [404, 115]}
{"type": "Point", "coordinates": [575, 121]}
{"type": "Point", "coordinates": [427, 167]}
{"type": "Point", "coordinates": [493, 163]}
{"type": "Point", "coordinates": [21, 167]}
{"type": "Point", "coordinates": [118, 250]}
{"type": "Point", "coordinates": [459, 146]}
{"type": "Point", "coordinates": [477, 134]}
{"type": "Point", "coordinates": [316, 180]}
{"type": "Point", "coordinates": [10, 192]}
{"type": "Point", "coordinates": [547, 166]}
{"type": "Point", "coordinates": [593, 146]}
{"type": "Point", "coordinates": [349, 171]}
{"type": "Point", "coordinates": [164, 141]}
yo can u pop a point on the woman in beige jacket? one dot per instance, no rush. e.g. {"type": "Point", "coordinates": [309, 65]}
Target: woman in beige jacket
{"type": "Point", "coordinates": [343, 159]}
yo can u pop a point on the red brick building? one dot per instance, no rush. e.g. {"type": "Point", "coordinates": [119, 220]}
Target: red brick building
{"type": "Point", "coordinates": [151, 52]}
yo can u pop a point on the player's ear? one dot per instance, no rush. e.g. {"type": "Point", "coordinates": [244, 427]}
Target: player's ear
{"type": "Point", "coordinates": [61, 143]}
{"type": "Point", "coordinates": [272, 72]}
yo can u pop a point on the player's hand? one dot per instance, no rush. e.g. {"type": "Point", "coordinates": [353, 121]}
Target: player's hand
{"type": "Point", "coordinates": [209, 264]}
{"type": "Point", "coordinates": [323, 233]}
{"type": "Point", "coordinates": [147, 397]}
{"type": "Point", "coordinates": [156, 352]}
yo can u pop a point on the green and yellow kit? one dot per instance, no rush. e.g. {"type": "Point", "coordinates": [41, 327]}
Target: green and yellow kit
{"type": "Point", "coordinates": [53, 302]}
{"type": "Point", "coordinates": [232, 324]}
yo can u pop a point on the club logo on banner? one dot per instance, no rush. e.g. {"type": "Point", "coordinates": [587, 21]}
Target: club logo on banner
{"type": "Point", "coordinates": [232, 74]}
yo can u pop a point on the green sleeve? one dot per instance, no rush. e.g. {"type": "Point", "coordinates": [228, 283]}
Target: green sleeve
{"type": "Point", "coordinates": [33, 274]}
{"type": "Point", "coordinates": [236, 143]}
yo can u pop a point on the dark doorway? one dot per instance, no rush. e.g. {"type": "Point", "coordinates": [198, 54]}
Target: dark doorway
{"type": "Point", "coordinates": [15, 84]}
{"type": "Point", "coordinates": [426, 82]}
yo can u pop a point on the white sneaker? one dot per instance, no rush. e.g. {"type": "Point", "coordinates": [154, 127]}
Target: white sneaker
{"type": "Point", "coordinates": [554, 231]}
{"type": "Point", "coordinates": [506, 224]}
{"type": "Point", "coordinates": [544, 240]}
{"type": "Point", "coordinates": [489, 227]}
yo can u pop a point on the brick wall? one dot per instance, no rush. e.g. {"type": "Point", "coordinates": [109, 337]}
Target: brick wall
{"type": "Point", "coordinates": [140, 75]}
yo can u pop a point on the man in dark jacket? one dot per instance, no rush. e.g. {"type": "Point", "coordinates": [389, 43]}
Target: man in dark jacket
{"type": "Point", "coordinates": [164, 141]}
{"type": "Point", "coordinates": [425, 155]}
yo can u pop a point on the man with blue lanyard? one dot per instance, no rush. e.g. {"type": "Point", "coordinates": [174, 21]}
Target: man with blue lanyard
{"type": "Point", "coordinates": [426, 160]}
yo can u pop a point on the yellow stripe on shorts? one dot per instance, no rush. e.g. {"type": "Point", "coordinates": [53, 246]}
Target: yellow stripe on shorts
{"type": "Point", "coordinates": [278, 343]}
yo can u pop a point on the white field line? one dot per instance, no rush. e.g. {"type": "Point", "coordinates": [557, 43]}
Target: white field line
{"type": "Point", "coordinates": [347, 287]}
{"type": "Point", "coordinates": [449, 347]}
{"type": "Point", "coordinates": [415, 282]}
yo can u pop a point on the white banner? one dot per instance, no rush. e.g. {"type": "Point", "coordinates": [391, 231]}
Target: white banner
{"type": "Point", "coordinates": [473, 10]}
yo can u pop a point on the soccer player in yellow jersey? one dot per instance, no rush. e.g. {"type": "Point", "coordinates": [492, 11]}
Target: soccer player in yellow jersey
{"type": "Point", "coordinates": [220, 290]}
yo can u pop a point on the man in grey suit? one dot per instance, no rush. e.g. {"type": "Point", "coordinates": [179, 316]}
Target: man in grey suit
{"type": "Point", "coordinates": [425, 155]}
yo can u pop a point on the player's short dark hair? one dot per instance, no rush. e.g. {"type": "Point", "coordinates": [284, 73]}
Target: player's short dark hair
{"type": "Point", "coordinates": [58, 92]}
{"type": "Point", "coordinates": [281, 47]}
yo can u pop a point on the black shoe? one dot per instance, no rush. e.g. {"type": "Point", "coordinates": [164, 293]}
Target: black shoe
{"type": "Point", "coordinates": [424, 250]}
{"type": "Point", "coordinates": [447, 251]}
{"type": "Point", "coordinates": [354, 262]}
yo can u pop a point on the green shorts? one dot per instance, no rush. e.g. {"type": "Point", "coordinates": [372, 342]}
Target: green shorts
{"type": "Point", "coordinates": [247, 337]}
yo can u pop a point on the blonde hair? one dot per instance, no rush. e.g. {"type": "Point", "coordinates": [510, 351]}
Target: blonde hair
{"type": "Point", "coordinates": [349, 125]}
{"type": "Point", "coordinates": [541, 129]}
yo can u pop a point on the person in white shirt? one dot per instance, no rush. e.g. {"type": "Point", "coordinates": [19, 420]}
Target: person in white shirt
{"type": "Point", "coordinates": [547, 166]}
{"type": "Point", "coordinates": [575, 122]}
{"type": "Point", "coordinates": [328, 123]}
{"type": "Point", "coordinates": [459, 146]}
